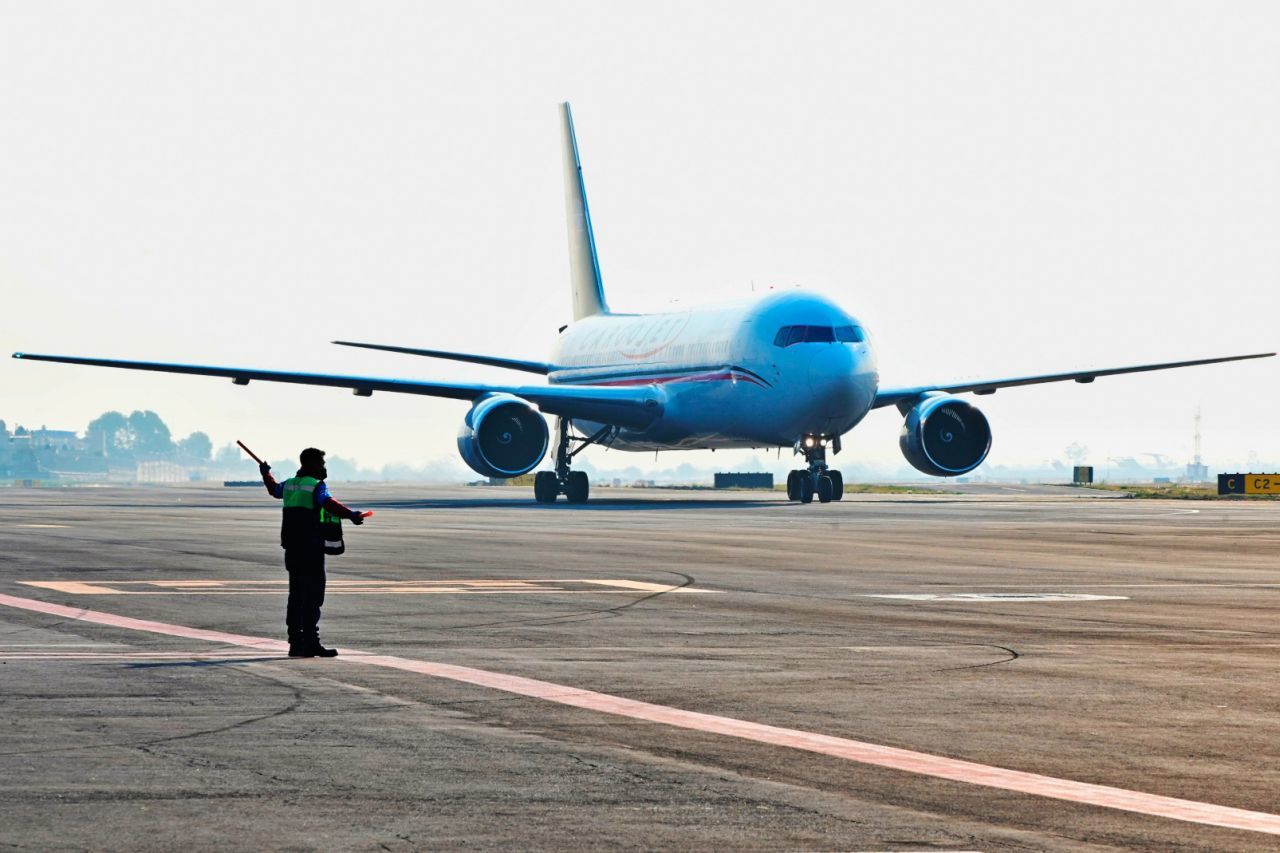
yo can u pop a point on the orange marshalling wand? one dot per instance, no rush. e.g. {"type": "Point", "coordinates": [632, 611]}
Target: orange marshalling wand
{"type": "Point", "coordinates": [250, 452]}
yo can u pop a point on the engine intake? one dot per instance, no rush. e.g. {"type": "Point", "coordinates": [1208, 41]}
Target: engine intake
{"type": "Point", "coordinates": [945, 436]}
{"type": "Point", "coordinates": [502, 436]}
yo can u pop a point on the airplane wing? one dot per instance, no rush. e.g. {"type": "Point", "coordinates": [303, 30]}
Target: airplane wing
{"type": "Point", "coordinates": [491, 360]}
{"type": "Point", "coordinates": [626, 406]}
{"type": "Point", "coordinates": [893, 396]}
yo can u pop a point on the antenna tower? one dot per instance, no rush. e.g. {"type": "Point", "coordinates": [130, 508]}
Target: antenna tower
{"type": "Point", "coordinates": [1198, 462]}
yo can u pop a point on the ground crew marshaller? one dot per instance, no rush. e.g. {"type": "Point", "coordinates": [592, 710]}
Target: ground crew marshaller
{"type": "Point", "coordinates": [306, 498]}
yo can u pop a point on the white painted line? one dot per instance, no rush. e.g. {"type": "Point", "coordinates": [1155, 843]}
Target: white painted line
{"type": "Point", "coordinates": [996, 596]}
{"type": "Point", "coordinates": [57, 645]}
{"type": "Point", "coordinates": [364, 587]}
{"type": "Point", "coordinates": [229, 654]}
{"type": "Point", "coordinates": [922, 763]}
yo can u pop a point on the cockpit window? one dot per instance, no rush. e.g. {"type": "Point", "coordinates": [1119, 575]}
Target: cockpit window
{"type": "Point", "coordinates": [789, 335]}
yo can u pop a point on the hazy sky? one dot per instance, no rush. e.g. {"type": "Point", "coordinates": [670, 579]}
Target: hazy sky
{"type": "Point", "coordinates": [993, 188]}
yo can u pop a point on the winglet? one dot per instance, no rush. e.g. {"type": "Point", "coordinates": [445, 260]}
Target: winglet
{"type": "Point", "coordinates": [584, 266]}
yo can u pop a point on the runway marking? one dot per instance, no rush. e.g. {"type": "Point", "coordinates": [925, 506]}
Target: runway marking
{"type": "Point", "coordinates": [922, 763]}
{"type": "Point", "coordinates": [203, 586]}
{"type": "Point", "coordinates": [73, 587]}
{"type": "Point", "coordinates": [1224, 584]}
{"type": "Point", "coordinates": [996, 596]}
{"type": "Point", "coordinates": [43, 526]}
{"type": "Point", "coordinates": [4, 646]}
{"type": "Point", "coordinates": [229, 654]}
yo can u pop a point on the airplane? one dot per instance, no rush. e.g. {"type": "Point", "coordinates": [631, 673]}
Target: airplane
{"type": "Point", "coordinates": [784, 369]}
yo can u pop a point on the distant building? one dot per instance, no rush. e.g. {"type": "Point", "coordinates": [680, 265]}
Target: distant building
{"type": "Point", "coordinates": [67, 437]}
{"type": "Point", "coordinates": [162, 472]}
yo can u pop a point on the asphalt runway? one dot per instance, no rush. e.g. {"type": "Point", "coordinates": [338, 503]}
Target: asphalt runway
{"type": "Point", "coordinates": [1014, 670]}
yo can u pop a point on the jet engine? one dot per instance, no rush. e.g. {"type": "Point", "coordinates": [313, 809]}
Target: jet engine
{"type": "Point", "coordinates": [944, 436]}
{"type": "Point", "coordinates": [502, 436]}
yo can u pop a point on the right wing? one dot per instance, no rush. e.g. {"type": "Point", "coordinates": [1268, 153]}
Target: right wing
{"type": "Point", "coordinates": [904, 396]}
{"type": "Point", "coordinates": [491, 360]}
{"type": "Point", "coordinates": [635, 406]}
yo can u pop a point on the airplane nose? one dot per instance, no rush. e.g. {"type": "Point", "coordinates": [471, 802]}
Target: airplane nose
{"type": "Point", "coordinates": [831, 378]}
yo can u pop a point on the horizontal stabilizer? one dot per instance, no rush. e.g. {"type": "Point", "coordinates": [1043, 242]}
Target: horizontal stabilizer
{"type": "Point", "coordinates": [491, 360]}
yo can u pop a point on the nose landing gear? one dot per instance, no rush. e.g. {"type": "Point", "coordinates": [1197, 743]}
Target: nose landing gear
{"type": "Point", "coordinates": [574, 485]}
{"type": "Point", "coordinates": [815, 480]}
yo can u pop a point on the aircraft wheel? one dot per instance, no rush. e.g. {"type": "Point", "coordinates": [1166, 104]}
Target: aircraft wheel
{"type": "Point", "coordinates": [837, 485]}
{"type": "Point", "coordinates": [824, 489]}
{"type": "Point", "coordinates": [793, 493]}
{"type": "Point", "coordinates": [545, 487]}
{"type": "Point", "coordinates": [804, 489]}
{"type": "Point", "coordinates": [577, 488]}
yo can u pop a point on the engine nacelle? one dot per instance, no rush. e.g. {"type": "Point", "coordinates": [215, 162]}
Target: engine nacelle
{"type": "Point", "coordinates": [945, 436]}
{"type": "Point", "coordinates": [502, 436]}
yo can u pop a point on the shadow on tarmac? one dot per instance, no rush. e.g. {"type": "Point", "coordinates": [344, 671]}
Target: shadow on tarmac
{"type": "Point", "coordinates": [595, 504]}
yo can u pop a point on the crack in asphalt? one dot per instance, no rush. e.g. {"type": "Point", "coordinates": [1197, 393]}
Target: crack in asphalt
{"type": "Point", "coordinates": [583, 615]}
{"type": "Point", "coordinates": [135, 744]}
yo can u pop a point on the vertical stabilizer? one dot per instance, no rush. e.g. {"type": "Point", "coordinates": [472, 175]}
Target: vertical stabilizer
{"type": "Point", "coordinates": [584, 267]}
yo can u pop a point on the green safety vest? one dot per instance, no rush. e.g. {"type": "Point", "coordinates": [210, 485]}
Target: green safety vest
{"type": "Point", "coordinates": [299, 492]}
{"type": "Point", "coordinates": [305, 524]}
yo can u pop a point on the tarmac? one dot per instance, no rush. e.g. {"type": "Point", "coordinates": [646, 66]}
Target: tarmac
{"type": "Point", "coordinates": [1028, 668]}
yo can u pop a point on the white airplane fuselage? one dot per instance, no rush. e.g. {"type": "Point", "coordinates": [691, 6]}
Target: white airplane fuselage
{"type": "Point", "coordinates": [724, 378]}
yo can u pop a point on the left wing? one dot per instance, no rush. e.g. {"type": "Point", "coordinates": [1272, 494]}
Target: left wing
{"type": "Point", "coordinates": [490, 360]}
{"type": "Point", "coordinates": [634, 406]}
{"type": "Point", "coordinates": [893, 396]}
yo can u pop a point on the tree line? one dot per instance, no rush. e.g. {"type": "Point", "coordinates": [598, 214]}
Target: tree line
{"type": "Point", "coordinates": [143, 433]}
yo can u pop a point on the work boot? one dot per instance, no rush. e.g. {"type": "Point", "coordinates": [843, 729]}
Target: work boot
{"type": "Point", "coordinates": [310, 649]}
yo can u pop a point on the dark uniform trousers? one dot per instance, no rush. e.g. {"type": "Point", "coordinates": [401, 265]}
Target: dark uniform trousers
{"type": "Point", "coordinates": [306, 592]}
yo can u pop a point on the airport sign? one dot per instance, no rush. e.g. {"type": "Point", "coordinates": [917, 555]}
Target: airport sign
{"type": "Point", "coordinates": [1249, 484]}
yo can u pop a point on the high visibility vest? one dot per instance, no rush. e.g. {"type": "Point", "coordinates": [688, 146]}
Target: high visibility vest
{"type": "Point", "coordinates": [331, 533]}
{"type": "Point", "coordinates": [305, 524]}
{"type": "Point", "coordinates": [300, 527]}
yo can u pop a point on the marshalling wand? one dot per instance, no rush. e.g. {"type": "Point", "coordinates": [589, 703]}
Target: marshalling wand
{"type": "Point", "coordinates": [255, 458]}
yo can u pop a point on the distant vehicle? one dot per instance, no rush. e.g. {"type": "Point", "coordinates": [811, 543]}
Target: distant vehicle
{"type": "Point", "coordinates": [787, 369]}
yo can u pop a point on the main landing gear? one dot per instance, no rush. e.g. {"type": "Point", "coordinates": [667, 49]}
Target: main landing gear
{"type": "Point", "coordinates": [815, 480]}
{"type": "Point", "coordinates": [574, 485]}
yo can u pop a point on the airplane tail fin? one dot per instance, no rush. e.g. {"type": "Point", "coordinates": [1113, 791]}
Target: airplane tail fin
{"type": "Point", "coordinates": [584, 267]}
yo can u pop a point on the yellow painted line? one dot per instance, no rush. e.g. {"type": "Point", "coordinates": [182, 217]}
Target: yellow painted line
{"type": "Point", "coordinates": [73, 587]}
